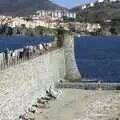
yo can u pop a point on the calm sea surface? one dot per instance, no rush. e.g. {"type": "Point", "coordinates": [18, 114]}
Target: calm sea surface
{"type": "Point", "coordinates": [16, 42]}
{"type": "Point", "coordinates": [98, 58]}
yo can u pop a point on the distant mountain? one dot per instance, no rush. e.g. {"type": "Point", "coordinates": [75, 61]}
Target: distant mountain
{"type": "Point", "coordinates": [100, 11]}
{"type": "Point", "coordinates": [76, 9]}
{"type": "Point", "coordinates": [25, 7]}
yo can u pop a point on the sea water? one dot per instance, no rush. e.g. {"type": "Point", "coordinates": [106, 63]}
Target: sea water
{"type": "Point", "coordinates": [17, 42]}
{"type": "Point", "coordinates": [98, 58]}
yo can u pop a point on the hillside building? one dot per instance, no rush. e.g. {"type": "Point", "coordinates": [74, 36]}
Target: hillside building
{"type": "Point", "coordinates": [91, 4]}
{"type": "Point", "coordinates": [55, 14]}
{"type": "Point", "coordinates": [100, 1]}
{"type": "Point", "coordinates": [84, 7]}
{"type": "Point", "coordinates": [107, 1]}
{"type": "Point", "coordinates": [87, 6]}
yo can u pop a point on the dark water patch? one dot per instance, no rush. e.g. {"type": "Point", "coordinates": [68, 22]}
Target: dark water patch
{"type": "Point", "coordinates": [98, 57]}
{"type": "Point", "coordinates": [16, 42]}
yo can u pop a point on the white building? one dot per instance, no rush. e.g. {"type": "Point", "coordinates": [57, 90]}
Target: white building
{"type": "Point", "coordinates": [90, 27]}
{"type": "Point", "coordinates": [91, 4]}
{"type": "Point", "coordinates": [17, 22]}
{"type": "Point", "coordinates": [101, 1]}
{"type": "Point", "coordinates": [114, 0]}
{"type": "Point", "coordinates": [56, 13]}
{"type": "Point", "coordinates": [93, 27]}
{"type": "Point", "coordinates": [84, 7]}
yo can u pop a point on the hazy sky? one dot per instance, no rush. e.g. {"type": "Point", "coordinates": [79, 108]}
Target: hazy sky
{"type": "Point", "coordinates": [71, 3]}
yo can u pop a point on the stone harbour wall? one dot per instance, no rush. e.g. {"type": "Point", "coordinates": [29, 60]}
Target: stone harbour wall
{"type": "Point", "coordinates": [22, 84]}
{"type": "Point", "coordinates": [72, 72]}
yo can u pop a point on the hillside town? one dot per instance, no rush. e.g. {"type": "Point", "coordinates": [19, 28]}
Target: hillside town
{"type": "Point", "coordinates": [98, 2]}
{"type": "Point", "coordinates": [49, 19]}
{"type": "Point", "coordinates": [40, 18]}
{"type": "Point", "coordinates": [66, 18]}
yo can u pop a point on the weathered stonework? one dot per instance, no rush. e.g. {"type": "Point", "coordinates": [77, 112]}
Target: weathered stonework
{"type": "Point", "coordinates": [22, 84]}
{"type": "Point", "coordinates": [72, 72]}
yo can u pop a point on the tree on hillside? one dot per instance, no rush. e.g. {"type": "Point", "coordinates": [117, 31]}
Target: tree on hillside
{"type": "Point", "coordinates": [6, 30]}
{"type": "Point", "coordinates": [16, 31]}
{"type": "Point", "coordinates": [39, 30]}
{"type": "Point", "coordinates": [9, 31]}
{"type": "Point", "coordinates": [28, 32]}
{"type": "Point", "coordinates": [23, 26]}
{"type": "Point", "coordinates": [2, 31]}
{"type": "Point", "coordinates": [113, 31]}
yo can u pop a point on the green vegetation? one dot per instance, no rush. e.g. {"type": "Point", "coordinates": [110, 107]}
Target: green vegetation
{"type": "Point", "coordinates": [106, 14]}
{"type": "Point", "coordinates": [100, 12]}
{"type": "Point", "coordinates": [23, 30]}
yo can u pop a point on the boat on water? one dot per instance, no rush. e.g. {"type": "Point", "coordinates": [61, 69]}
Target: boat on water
{"type": "Point", "coordinates": [78, 35]}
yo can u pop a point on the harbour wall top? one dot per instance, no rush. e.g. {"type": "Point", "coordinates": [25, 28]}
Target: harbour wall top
{"type": "Point", "coordinates": [21, 84]}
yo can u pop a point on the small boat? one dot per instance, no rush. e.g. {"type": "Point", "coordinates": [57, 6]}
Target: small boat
{"type": "Point", "coordinates": [78, 35]}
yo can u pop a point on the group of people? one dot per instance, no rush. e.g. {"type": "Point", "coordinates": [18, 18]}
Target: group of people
{"type": "Point", "coordinates": [9, 57]}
